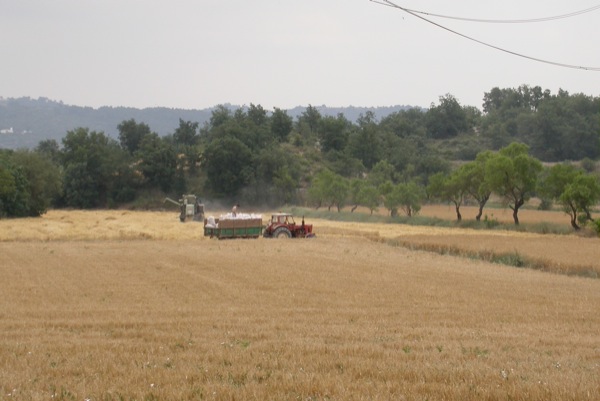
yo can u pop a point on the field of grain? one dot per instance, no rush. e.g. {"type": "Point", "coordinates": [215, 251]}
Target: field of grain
{"type": "Point", "coordinates": [121, 305]}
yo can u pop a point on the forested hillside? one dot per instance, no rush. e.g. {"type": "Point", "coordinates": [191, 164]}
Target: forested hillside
{"type": "Point", "coordinates": [25, 121]}
{"type": "Point", "coordinates": [449, 152]}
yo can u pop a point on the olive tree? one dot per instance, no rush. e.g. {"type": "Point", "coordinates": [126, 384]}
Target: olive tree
{"type": "Point", "coordinates": [513, 175]}
{"type": "Point", "coordinates": [329, 188]}
{"type": "Point", "coordinates": [474, 179]}
{"type": "Point", "coordinates": [575, 190]}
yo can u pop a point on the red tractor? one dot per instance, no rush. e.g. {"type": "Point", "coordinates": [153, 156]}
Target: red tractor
{"type": "Point", "coordinates": [282, 225]}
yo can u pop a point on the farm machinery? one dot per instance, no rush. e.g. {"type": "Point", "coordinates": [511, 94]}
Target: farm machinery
{"type": "Point", "coordinates": [282, 225]}
{"type": "Point", "coordinates": [190, 207]}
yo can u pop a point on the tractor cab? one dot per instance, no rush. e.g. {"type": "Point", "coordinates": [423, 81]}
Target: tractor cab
{"type": "Point", "coordinates": [282, 218]}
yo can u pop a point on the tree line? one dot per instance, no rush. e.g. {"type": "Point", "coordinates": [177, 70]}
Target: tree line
{"type": "Point", "coordinates": [256, 156]}
{"type": "Point", "coordinates": [511, 173]}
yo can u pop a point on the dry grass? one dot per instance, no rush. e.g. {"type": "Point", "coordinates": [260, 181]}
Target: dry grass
{"type": "Point", "coordinates": [93, 312]}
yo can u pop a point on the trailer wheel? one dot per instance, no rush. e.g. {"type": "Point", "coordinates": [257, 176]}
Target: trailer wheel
{"type": "Point", "coordinates": [282, 232]}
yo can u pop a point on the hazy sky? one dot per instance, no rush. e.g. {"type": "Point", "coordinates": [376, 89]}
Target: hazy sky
{"type": "Point", "coordinates": [282, 53]}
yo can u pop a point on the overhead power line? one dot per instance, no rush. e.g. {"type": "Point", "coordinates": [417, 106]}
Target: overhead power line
{"type": "Point", "coordinates": [496, 21]}
{"type": "Point", "coordinates": [415, 14]}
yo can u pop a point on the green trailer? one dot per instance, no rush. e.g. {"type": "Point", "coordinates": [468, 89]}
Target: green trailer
{"type": "Point", "coordinates": [233, 228]}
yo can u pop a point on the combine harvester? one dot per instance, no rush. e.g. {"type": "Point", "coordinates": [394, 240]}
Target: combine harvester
{"type": "Point", "coordinates": [190, 207]}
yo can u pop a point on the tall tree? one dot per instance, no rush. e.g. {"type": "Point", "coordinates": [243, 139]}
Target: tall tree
{"type": "Point", "coordinates": [91, 161]}
{"type": "Point", "coordinates": [447, 119]}
{"type": "Point", "coordinates": [229, 165]}
{"type": "Point", "coordinates": [14, 197]}
{"type": "Point", "coordinates": [219, 116]}
{"type": "Point", "coordinates": [333, 133]}
{"type": "Point", "coordinates": [157, 163]}
{"type": "Point", "coordinates": [131, 134]}
{"type": "Point", "coordinates": [186, 134]}
{"type": "Point", "coordinates": [281, 125]}
{"type": "Point", "coordinates": [257, 114]}
{"type": "Point", "coordinates": [365, 142]}
{"type": "Point", "coordinates": [49, 149]}
{"type": "Point", "coordinates": [43, 178]}
{"type": "Point", "coordinates": [311, 117]}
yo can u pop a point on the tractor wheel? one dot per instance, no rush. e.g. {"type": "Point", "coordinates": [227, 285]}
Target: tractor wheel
{"type": "Point", "coordinates": [282, 232]}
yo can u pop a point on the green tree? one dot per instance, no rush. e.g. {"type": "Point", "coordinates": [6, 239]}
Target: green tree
{"type": "Point", "coordinates": [405, 123]}
{"type": "Point", "coordinates": [131, 134]}
{"type": "Point", "coordinates": [49, 149]}
{"type": "Point", "coordinates": [342, 163]}
{"type": "Point", "coordinates": [381, 172]}
{"type": "Point", "coordinates": [14, 196]}
{"type": "Point", "coordinates": [91, 163]}
{"type": "Point", "coordinates": [405, 196]}
{"type": "Point", "coordinates": [7, 182]}
{"type": "Point", "coordinates": [364, 142]}
{"type": "Point", "coordinates": [276, 176]}
{"type": "Point", "coordinates": [333, 133]}
{"type": "Point", "coordinates": [310, 119]}
{"type": "Point", "coordinates": [566, 128]}
{"type": "Point", "coordinates": [513, 174]}
{"type": "Point", "coordinates": [447, 119]}
{"type": "Point", "coordinates": [391, 197]}
{"type": "Point", "coordinates": [449, 188]}
{"type": "Point", "coordinates": [285, 184]}
{"type": "Point", "coordinates": [410, 197]}
{"type": "Point", "coordinates": [281, 124]}
{"type": "Point", "coordinates": [354, 188]}
{"type": "Point", "coordinates": [475, 181]}
{"type": "Point", "coordinates": [582, 194]}
{"type": "Point", "coordinates": [330, 189]}
{"type": "Point", "coordinates": [185, 142]}
{"type": "Point", "coordinates": [229, 166]}
{"type": "Point", "coordinates": [43, 179]}
{"type": "Point", "coordinates": [219, 116]}
{"type": "Point", "coordinates": [572, 188]}
{"type": "Point", "coordinates": [257, 114]}
{"type": "Point", "coordinates": [368, 196]}
{"type": "Point", "coordinates": [157, 161]}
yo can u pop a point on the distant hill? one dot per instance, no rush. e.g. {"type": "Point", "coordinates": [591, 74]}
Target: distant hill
{"type": "Point", "coordinates": [24, 122]}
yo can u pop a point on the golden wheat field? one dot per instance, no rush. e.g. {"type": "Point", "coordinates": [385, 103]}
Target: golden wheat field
{"type": "Point", "coordinates": [123, 305]}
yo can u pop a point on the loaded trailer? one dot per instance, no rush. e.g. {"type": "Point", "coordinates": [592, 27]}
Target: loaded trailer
{"type": "Point", "coordinates": [281, 225]}
{"type": "Point", "coordinates": [245, 226]}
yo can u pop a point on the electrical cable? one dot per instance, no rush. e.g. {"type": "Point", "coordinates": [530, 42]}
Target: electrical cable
{"type": "Point", "coordinates": [498, 21]}
{"type": "Point", "coordinates": [393, 5]}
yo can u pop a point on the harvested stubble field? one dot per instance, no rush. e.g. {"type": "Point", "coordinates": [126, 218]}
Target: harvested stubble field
{"type": "Point", "coordinates": [115, 305]}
